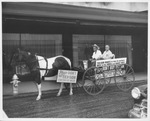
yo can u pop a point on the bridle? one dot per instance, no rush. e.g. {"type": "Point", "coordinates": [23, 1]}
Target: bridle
{"type": "Point", "coordinates": [37, 60]}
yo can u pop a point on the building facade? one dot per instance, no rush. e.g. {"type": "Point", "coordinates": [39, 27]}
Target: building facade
{"type": "Point", "coordinates": [53, 29]}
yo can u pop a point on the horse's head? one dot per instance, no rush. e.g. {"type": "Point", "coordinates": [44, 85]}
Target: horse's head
{"type": "Point", "coordinates": [21, 55]}
{"type": "Point", "coordinates": [24, 59]}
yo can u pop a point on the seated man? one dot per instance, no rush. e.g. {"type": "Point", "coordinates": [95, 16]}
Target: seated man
{"type": "Point", "coordinates": [97, 53]}
{"type": "Point", "coordinates": [107, 53]}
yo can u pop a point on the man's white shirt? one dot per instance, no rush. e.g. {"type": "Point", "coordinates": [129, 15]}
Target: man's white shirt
{"type": "Point", "coordinates": [107, 54]}
{"type": "Point", "coordinates": [96, 55]}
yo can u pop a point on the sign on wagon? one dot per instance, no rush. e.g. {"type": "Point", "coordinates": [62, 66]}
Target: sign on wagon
{"type": "Point", "coordinates": [67, 76]}
{"type": "Point", "coordinates": [110, 63]}
{"type": "Point", "coordinates": [109, 66]}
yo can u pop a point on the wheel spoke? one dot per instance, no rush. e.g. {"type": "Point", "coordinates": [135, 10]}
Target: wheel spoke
{"type": "Point", "coordinates": [126, 68]}
{"type": "Point", "coordinates": [94, 89]}
{"type": "Point", "coordinates": [97, 87]}
{"type": "Point", "coordinates": [130, 77]}
{"type": "Point", "coordinates": [128, 71]}
{"type": "Point", "coordinates": [125, 85]}
{"type": "Point", "coordinates": [89, 74]}
{"type": "Point", "coordinates": [91, 88]}
{"type": "Point", "coordinates": [108, 80]}
{"type": "Point", "coordinates": [129, 80]}
{"type": "Point", "coordinates": [87, 87]}
{"type": "Point", "coordinates": [129, 74]}
{"type": "Point", "coordinates": [87, 77]}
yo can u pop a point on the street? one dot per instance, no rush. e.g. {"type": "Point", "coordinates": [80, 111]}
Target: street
{"type": "Point", "coordinates": [111, 103]}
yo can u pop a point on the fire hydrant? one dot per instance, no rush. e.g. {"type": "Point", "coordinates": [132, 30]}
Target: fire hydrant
{"type": "Point", "coordinates": [15, 81]}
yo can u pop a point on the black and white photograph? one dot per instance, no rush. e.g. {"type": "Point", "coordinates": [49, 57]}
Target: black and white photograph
{"type": "Point", "coordinates": [74, 59]}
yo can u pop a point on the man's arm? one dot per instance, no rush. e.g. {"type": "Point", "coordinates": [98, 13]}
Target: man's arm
{"type": "Point", "coordinates": [111, 55]}
{"type": "Point", "coordinates": [93, 56]}
{"type": "Point", "coordinates": [99, 54]}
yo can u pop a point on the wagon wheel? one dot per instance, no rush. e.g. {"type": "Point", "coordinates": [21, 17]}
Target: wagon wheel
{"type": "Point", "coordinates": [124, 77]}
{"type": "Point", "coordinates": [93, 80]}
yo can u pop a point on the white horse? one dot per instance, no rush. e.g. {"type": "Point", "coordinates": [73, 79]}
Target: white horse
{"type": "Point", "coordinates": [38, 66]}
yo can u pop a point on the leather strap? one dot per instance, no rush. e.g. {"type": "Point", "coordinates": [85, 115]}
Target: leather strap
{"type": "Point", "coordinates": [46, 66]}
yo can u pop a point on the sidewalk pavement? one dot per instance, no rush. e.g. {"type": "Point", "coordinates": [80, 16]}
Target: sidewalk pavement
{"type": "Point", "coordinates": [29, 86]}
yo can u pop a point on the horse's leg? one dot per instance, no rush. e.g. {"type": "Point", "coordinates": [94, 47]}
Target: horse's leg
{"type": "Point", "coordinates": [60, 89]}
{"type": "Point", "coordinates": [71, 90]}
{"type": "Point", "coordinates": [37, 78]}
{"type": "Point", "coordinates": [39, 91]}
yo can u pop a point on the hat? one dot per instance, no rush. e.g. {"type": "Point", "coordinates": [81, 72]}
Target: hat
{"type": "Point", "coordinates": [95, 45]}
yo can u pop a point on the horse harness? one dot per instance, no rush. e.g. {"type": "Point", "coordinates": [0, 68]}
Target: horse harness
{"type": "Point", "coordinates": [46, 66]}
{"type": "Point", "coordinates": [36, 66]}
{"type": "Point", "coordinates": [46, 69]}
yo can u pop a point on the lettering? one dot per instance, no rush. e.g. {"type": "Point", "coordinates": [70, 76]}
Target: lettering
{"type": "Point", "coordinates": [110, 65]}
{"type": "Point", "coordinates": [67, 76]}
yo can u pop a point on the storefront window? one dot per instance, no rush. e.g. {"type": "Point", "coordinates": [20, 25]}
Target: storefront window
{"type": "Point", "coordinates": [82, 47]}
{"type": "Point", "coordinates": [121, 46]}
{"type": "Point", "coordinates": [43, 44]}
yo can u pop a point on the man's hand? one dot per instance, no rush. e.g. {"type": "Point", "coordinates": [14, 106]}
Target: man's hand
{"type": "Point", "coordinates": [113, 56]}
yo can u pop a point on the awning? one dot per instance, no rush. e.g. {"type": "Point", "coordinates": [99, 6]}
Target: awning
{"type": "Point", "coordinates": [49, 10]}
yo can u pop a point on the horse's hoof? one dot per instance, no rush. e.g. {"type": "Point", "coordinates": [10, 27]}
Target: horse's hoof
{"type": "Point", "coordinates": [58, 94]}
{"type": "Point", "coordinates": [70, 93]}
{"type": "Point", "coordinates": [38, 98]}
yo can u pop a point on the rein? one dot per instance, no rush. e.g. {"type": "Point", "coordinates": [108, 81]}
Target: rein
{"type": "Point", "coordinates": [36, 60]}
{"type": "Point", "coordinates": [32, 62]}
{"type": "Point", "coordinates": [42, 68]}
